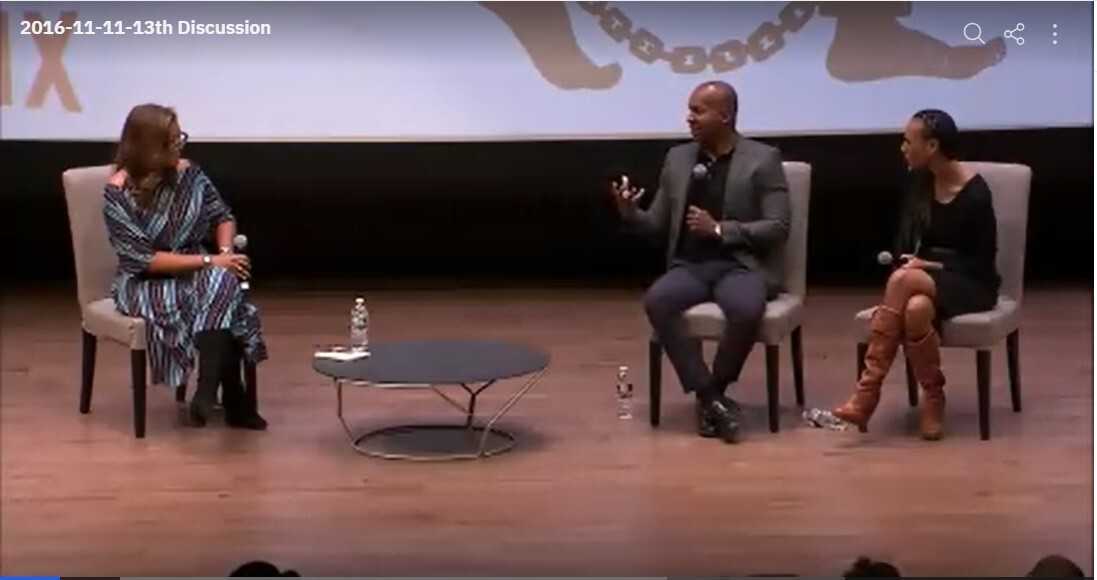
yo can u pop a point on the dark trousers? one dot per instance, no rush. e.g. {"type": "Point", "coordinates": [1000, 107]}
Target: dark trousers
{"type": "Point", "coordinates": [741, 295]}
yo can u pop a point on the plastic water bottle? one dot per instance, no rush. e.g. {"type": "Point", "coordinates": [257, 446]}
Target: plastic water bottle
{"type": "Point", "coordinates": [359, 326]}
{"type": "Point", "coordinates": [823, 419]}
{"type": "Point", "coordinates": [624, 394]}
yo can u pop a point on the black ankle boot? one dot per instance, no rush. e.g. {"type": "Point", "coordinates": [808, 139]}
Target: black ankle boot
{"type": "Point", "coordinates": [239, 414]}
{"type": "Point", "coordinates": [241, 405]}
{"type": "Point", "coordinates": [213, 349]}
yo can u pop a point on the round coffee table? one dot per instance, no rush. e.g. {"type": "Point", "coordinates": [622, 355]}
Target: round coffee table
{"type": "Point", "coordinates": [472, 365]}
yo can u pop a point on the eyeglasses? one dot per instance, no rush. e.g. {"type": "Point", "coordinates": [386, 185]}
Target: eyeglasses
{"type": "Point", "coordinates": [182, 139]}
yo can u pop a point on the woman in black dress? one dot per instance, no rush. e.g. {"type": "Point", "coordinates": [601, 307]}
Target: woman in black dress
{"type": "Point", "coordinates": [947, 244]}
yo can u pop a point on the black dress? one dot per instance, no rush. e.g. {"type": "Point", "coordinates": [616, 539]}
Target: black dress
{"type": "Point", "coordinates": [962, 235]}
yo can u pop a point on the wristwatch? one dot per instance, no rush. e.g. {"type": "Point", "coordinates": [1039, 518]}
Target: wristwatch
{"type": "Point", "coordinates": [207, 261]}
{"type": "Point", "coordinates": [719, 230]}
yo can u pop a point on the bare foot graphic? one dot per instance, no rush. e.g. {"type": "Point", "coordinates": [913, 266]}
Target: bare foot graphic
{"type": "Point", "coordinates": [870, 44]}
{"type": "Point", "coordinates": [544, 29]}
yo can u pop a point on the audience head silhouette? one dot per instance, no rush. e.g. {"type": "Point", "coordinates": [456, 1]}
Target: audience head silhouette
{"type": "Point", "coordinates": [261, 569]}
{"type": "Point", "coordinates": [867, 568]}
{"type": "Point", "coordinates": [1056, 566]}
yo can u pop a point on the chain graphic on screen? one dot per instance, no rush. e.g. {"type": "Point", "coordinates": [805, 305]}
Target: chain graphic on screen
{"type": "Point", "coordinates": [767, 40]}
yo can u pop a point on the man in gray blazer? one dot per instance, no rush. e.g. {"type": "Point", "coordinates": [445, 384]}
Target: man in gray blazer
{"type": "Point", "coordinates": [722, 202]}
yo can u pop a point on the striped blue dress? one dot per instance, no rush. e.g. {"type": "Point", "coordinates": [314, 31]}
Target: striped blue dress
{"type": "Point", "coordinates": [181, 217]}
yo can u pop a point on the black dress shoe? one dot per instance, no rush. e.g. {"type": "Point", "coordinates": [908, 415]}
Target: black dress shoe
{"type": "Point", "coordinates": [733, 407]}
{"type": "Point", "coordinates": [724, 419]}
{"type": "Point", "coordinates": [705, 428]}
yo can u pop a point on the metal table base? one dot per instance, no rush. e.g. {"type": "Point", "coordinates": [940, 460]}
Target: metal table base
{"type": "Point", "coordinates": [468, 441]}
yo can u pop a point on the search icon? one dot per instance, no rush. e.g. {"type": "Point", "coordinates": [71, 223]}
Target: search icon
{"type": "Point", "coordinates": [973, 27]}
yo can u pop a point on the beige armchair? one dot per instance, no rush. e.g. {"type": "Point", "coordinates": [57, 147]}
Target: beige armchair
{"type": "Point", "coordinates": [96, 264]}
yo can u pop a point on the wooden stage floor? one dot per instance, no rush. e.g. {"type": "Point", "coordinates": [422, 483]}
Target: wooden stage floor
{"type": "Point", "coordinates": [583, 493]}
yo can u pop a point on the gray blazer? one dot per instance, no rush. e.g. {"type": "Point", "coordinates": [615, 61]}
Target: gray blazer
{"type": "Point", "coordinates": [756, 207]}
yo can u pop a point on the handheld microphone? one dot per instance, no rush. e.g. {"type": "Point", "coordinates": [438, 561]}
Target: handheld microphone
{"type": "Point", "coordinates": [700, 171]}
{"type": "Point", "coordinates": [239, 244]}
{"type": "Point", "coordinates": [884, 258]}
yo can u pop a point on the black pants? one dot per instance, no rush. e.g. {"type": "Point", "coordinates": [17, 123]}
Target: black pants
{"type": "Point", "coordinates": [741, 295]}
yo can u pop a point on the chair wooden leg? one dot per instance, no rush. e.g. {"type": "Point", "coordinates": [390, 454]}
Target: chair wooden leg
{"type": "Point", "coordinates": [87, 368]}
{"type": "Point", "coordinates": [912, 385]}
{"type": "Point", "coordinates": [655, 381]}
{"type": "Point", "coordinates": [982, 371]}
{"type": "Point", "coordinates": [137, 369]}
{"type": "Point", "coordinates": [862, 350]}
{"type": "Point", "coordinates": [1013, 354]}
{"type": "Point", "coordinates": [798, 364]}
{"type": "Point", "coordinates": [773, 393]}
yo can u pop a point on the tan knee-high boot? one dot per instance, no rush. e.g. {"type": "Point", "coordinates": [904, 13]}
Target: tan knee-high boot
{"type": "Point", "coordinates": [925, 361]}
{"type": "Point", "coordinates": [886, 327]}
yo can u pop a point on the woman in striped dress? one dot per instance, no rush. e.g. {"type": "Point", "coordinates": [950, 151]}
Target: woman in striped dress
{"type": "Point", "coordinates": [159, 210]}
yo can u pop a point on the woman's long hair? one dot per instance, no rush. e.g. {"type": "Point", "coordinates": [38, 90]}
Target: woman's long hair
{"type": "Point", "coordinates": [146, 150]}
{"type": "Point", "coordinates": [939, 125]}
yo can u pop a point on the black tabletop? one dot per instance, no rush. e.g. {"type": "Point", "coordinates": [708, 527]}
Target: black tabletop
{"type": "Point", "coordinates": [437, 362]}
